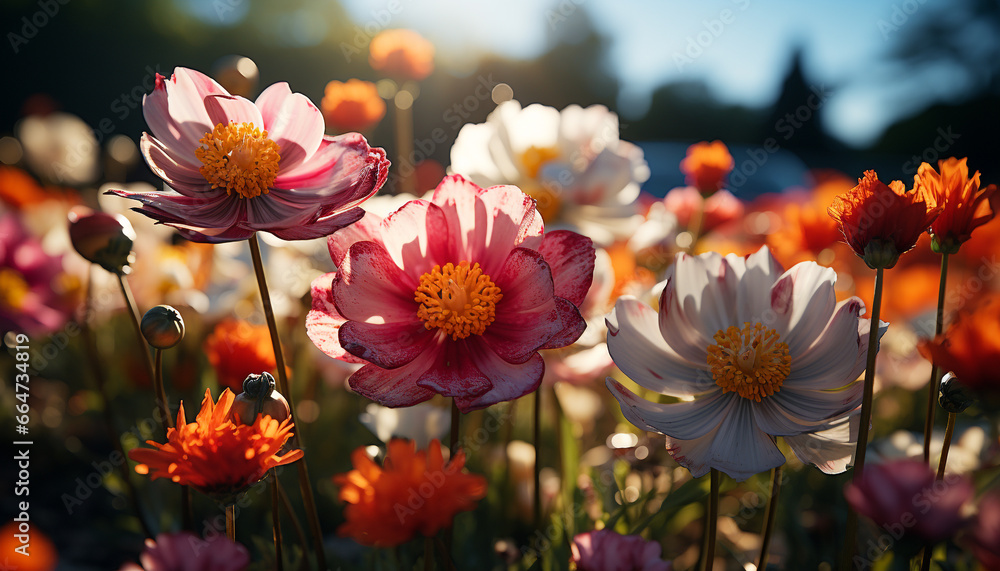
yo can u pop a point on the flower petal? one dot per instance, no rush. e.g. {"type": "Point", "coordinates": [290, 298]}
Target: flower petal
{"type": "Point", "coordinates": [412, 235]}
{"type": "Point", "coordinates": [367, 228]}
{"type": "Point", "coordinates": [509, 381]}
{"type": "Point", "coordinates": [394, 387]}
{"type": "Point", "coordinates": [685, 420]}
{"type": "Point", "coordinates": [639, 350]}
{"type": "Point", "coordinates": [182, 177]}
{"type": "Point", "coordinates": [388, 345]}
{"type": "Point", "coordinates": [371, 287]}
{"type": "Point", "coordinates": [527, 316]}
{"type": "Point", "coordinates": [175, 110]}
{"type": "Point", "coordinates": [736, 447]}
{"type": "Point", "coordinates": [572, 258]}
{"type": "Point", "coordinates": [454, 374]}
{"type": "Point", "coordinates": [832, 449]}
{"type": "Point", "coordinates": [323, 321]}
{"type": "Point", "coordinates": [318, 226]}
{"type": "Point", "coordinates": [573, 325]}
{"type": "Point", "coordinates": [226, 109]}
{"type": "Point", "coordinates": [803, 298]}
{"type": "Point", "coordinates": [291, 121]}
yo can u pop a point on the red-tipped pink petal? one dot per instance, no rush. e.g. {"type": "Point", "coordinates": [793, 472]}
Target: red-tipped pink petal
{"type": "Point", "coordinates": [323, 321]}
{"type": "Point", "coordinates": [571, 257]}
{"type": "Point", "coordinates": [226, 109]}
{"type": "Point", "coordinates": [371, 287]}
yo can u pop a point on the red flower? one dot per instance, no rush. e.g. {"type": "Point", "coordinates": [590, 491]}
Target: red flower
{"type": "Point", "coordinates": [904, 495]}
{"type": "Point", "coordinates": [402, 54]}
{"type": "Point", "coordinates": [707, 165]}
{"type": "Point", "coordinates": [966, 206]}
{"type": "Point", "coordinates": [881, 222]}
{"type": "Point", "coordinates": [970, 347]}
{"type": "Point", "coordinates": [412, 492]}
{"type": "Point", "coordinates": [352, 106]}
{"type": "Point", "coordinates": [452, 296]}
{"type": "Point", "coordinates": [236, 349]}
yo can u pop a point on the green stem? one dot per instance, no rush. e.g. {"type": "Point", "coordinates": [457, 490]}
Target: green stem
{"type": "Point", "coordinates": [282, 381]}
{"type": "Point", "coordinates": [276, 521]}
{"type": "Point", "coordinates": [851, 529]}
{"type": "Point", "coordinates": [769, 517]}
{"type": "Point", "coordinates": [231, 522]}
{"type": "Point", "coordinates": [949, 433]}
{"type": "Point", "coordinates": [537, 441]}
{"type": "Point", "coordinates": [456, 419]}
{"type": "Point", "coordinates": [109, 421]}
{"type": "Point", "coordinates": [134, 314]}
{"type": "Point", "coordinates": [708, 557]}
{"type": "Point", "coordinates": [932, 385]}
{"type": "Point", "coordinates": [299, 533]}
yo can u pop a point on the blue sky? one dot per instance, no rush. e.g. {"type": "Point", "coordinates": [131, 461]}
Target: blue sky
{"type": "Point", "coordinates": [745, 46]}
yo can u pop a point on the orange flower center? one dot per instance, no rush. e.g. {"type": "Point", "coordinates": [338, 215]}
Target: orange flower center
{"type": "Point", "coordinates": [13, 289]}
{"type": "Point", "coordinates": [535, 157]}
{"type": "Point", "coordinates": [239, 158]}
{"type": "Point", "coordinates": [749, 361]}
{"type": "Point", "coordinates": [461, 300]}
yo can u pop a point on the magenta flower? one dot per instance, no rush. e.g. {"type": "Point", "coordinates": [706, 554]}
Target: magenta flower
{"type": "Point", "coordinates": [237, 166]}
{"type": "Point", "coordinates": [606, 550]}
{"type": "Point", "coordinates": [33, 286]}
{"type": "Point", "coordinates": [187, 552]}
{"type": "Point", "coordinates": [985, 532]}
{"type": "Point", "coordinates": [904, 499]}
{"type": "Point", "coordinates": [451, 296]}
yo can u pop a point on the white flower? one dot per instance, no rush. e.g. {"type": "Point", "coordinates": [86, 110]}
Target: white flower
{"type": "Point", "coordinates": [571, 161]}
{"type": "Point", "coordinates": [421, 422]}
{"type": "Point", "coordinates": [755, 351]}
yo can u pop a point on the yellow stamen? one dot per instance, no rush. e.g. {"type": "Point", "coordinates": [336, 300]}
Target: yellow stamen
{"type": "Point", "coordinates": [461, 300]}
{"type": "Point", "coordinates": [749, 361]}
{"type": "Point", "coordinates": [13, 289]}
{"type": "Point", "coordinates": [239, 157]}
{"type": "Point", "coordinates": [535, 157]}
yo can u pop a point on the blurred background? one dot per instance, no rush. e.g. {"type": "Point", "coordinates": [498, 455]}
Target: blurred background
{"type": "Point", "coordinates": [849, 85]}
{"type": "Point", "coordinates": [792, 88]}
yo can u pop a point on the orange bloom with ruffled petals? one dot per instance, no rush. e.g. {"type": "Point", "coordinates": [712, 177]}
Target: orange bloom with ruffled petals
{"type": "Point", "coordinates": [966, 206]}
{"type": "Point", "coordinates": [238, 348]}
{"type": "Point", "coordinates": [970, 347]}
{"type": "Point", "coordinates": [413, 492]}
{"type": "Point", "coordinates": [707, 165]}
{"type": "Point", "coordinates": [214, 455]}
{"type": "Point", "coordinates": [353, 105]}
{"type": "Point", "coordinates": [401, 54]}
{"type": "Point", "coordinates": [880, 222]}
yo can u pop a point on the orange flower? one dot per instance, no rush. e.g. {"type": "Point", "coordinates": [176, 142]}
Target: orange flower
{"type": "Point", "coordinates": [37, 555]}
{"type": "Point", "coordinates": [881, 222]}
{"type": "Point", "coordinates": [236, 348]}
{"type": "Point", "coordinates": [413, 492]}
{"type": "Point", "coordinates": [966, 206]}
{"type": "Point", "coordinates": [402, 54]}
{"type": "Point", "coordinates": [970, 347]}
{"type": "Point", "coordinates": [214, 455]}
{"type": "Point", "coordinates": [352, 106]}
{"type": "Point", "coordinates": [707, 165]}
{"type": "Point", "coordinates": [19, 189]}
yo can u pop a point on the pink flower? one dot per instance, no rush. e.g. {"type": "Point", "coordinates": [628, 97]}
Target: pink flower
{"type": "Point", "coordinates": [719, 209]}
{"type": "Point", "coordinates": [606, 550]}
{"type": "Point", "coordinates": [237, 166]}
{"type": "Point", "coordinates": [187, 552]}
{"type": "Point", "coordinates": [985, 532]}
{"type": "Point", "coordinates": [33, 286]}
{"type": "Point", "coordinates": [754, 352]}
{"type": "Point", "coordinates": [903, 498]}
{"type": "Point", "coordinates": [451, 296]}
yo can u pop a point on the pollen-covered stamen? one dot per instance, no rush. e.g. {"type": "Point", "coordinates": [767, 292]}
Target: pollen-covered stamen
{"type": "Point", "coordinates": [459, 299]}
{"type": "Point", "coordinates": [750, 361]}
{"type": "Point", "coordinates": [240, 158]}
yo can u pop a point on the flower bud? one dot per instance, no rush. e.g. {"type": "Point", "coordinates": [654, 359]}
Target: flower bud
{"type": "Point", "coordinates": [259, 397]}
{"type": "Point", "coordinates": [953, 396]}
{"type": "Point", "coordinates": [880, 253]}
{"type": "Point", "coordinates": [162, 326]}
{"type": "Point", "coordinates": [103, 239]}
